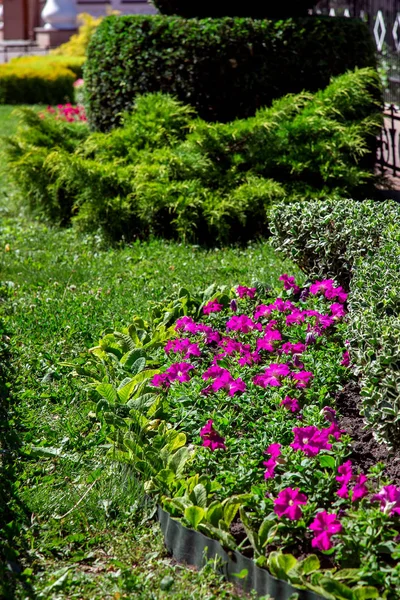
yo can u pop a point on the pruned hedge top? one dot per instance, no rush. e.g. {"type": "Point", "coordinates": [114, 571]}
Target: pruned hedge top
{"type": "Point", "coordinates": [257, 9]}
{"type": "Point", "coordinates": [225, 68]}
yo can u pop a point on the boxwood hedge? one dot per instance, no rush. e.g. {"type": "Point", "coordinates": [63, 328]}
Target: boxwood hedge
{"type": "Point", "coordinates": [358, 243]}
{"type": "Point", "coordinates": [225, 68]}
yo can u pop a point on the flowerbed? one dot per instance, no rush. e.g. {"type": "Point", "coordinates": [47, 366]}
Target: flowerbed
{"type": "Point", "coordinates": [66, 112]}
{"type": "Point", "coordinates": [238, 437]}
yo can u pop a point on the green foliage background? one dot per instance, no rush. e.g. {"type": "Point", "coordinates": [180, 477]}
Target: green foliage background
{"type": "Point", "coordinates": [225, 68]}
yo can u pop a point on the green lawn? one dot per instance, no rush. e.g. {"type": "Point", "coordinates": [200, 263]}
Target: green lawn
{"type": "Point", "coordinates": [80, 527]}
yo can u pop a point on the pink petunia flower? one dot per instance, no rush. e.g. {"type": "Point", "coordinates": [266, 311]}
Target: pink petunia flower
{"type": "Point", "coordinates": [329, 414]}
{"type": "Point", "coordinates": [290, 348]}
{"type": "Point", "coordinates": [302, 378]}
{"type": "Point", "coordinates": [274, 450]}
{"type": "Point", "coordinates": [346, 475]}
{"type": "Point", "coordinates": [389, 497]}
{"type": "Point", "coordinates": [345, 362]}
{"type": "Point", "coordinates": [243, 291]}
{"type": "Point", "coordinates": [325, 525]}
{"type": "Point", "coordinates": [179, 372]}
{"type": "Point", "coordinates": [337, 310]}
{"type": "Point", "coordinates": [211, 438]}
{"type": "Point", "coordinates": [360, 489]}
{"type": "Point", "coordinates": [160, 380]}
{"type": "Point", "coordinates": [291, 404]}
{"type": "Point", "coordinates": [336, 292]}
{"type": "Point", "coordinates": [288, 502]}
{"type": "Point", "coordinates": [213, 372]}
{"type": "Point", "coordinates": [270, 465]}
{"type": "Point", "coordinates": [249, 358]}
{"type": "Point", "coordinates": [296, 317]}
{"type": "Point", "coordinates": [212, 306]}
{"type": "Point", "coordinates": [289, 283]}
{"type": "Point", "coordinates": [241, 323]}
{"type": "Point", "coordinates": [272, 375]}
{"type": "Point", "coordinates": [186, 324]}
{"type": "Point", "coordinates": [310, 440]}
{"type": "Point", "coordinates": [322, 287]}
{"type": "Point", "coordinates": [184, 346]}
{"type": "Point", "coordinates": [228, 383]}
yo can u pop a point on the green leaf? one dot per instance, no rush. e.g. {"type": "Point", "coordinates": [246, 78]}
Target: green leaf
{"type": "Point", "coordinates": [142, 402]}
{"type": "Point", "coordinates": [145, 375]}
{"type": "Point", "coordinates": [107, 391]}
{"type": "Point", "coordinates": [231, 506]}
{"type": "Point", "coordinates": [102, 406]}
{"type": "Point", "coordinates": [129, 358]}
{"type": "Point", "coordinates": [309, 565]}
{"type": "Point", "coordinates": [351, 574]}
{"type": "Point", "coordinates": [287, 562]}
{"type": "Point", "coordinates": [178, 461]}
{"type": "Point", "coordinates": [199, 495]}
{"type": "Point", "coordinates": [326, 461]}
{"type": "Point", "coordinates": [251, 534]}
{"type": "Point", "coordinates": [214, 513]}
{"type": "Point", "coordinates": [280, 564]}
{"type": "Point", "coordinates": [176, 440]}
{"type": "Point", "coordinates": [112, 419]}
{"type": "Point", "coordinates": [222, 536]}
{"type": "Point", "coordinates": [166, 477]}
{"type": "Point", "coordinates": [194, 515]}
{"type": "Point", "coordinates": [124, 392]}
{"type": "Point", "coordinates": [138, 366]}
{"type": "Point", "coordinates": [242, 575]}
{"type": "Point", "coordinates": [337, 589]}
{"type": "Point", "coordinates": [166, 583]}
{"type": "Point", "coordinates": [365, 593]}
{"type": "Point", "coordinates": [267, 532]}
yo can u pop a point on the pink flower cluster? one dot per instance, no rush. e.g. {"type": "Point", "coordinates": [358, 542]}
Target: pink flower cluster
{"type": "Point", "coordinates": [222, 380]}
{"type": "Point", "coordinates": [211, 438]}
{"type": "Point", "coordinates": [274, 450]}
{"type": "Point", "coordinates": [243, 324]}
{"type": "Point", "coordinates": [67, 112]}
{"type": "Point", "coordinates": [389, 497]}
{"type": "Point", "coordinates": [176, 372]}
{"type": "Point", "coordinates": [243, 291]}
{"type": "Point", "coordinates": [328, 289]}
{"type": "Point", "coordinates": [183, 346]}
{"type": "Point", "coordinates": [289, 283]}
{"type": "Point", "coordinates": [212, 306]}
{"type": "Point", "coordinates": [325, 526]}
{"type": "Point", "coordinates": [311, 440]}
{"type": "Point", "coordinates": [345, 476]}
{"type": "Point", "coordinates": [288, 503]}
{"type": "Point", "coordinates": [274, 374]}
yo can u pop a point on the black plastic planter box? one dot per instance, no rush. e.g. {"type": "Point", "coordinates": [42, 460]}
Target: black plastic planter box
{"type": "Point", "coordinates": [192, 547]}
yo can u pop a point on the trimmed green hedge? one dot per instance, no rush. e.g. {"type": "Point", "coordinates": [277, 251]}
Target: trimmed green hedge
{"type": "Point", "coordinates": [265, 9]}
{"type": "Point", "coordinates": [225, 68]}
{"type": "Point", "coordinates": [357, 243]}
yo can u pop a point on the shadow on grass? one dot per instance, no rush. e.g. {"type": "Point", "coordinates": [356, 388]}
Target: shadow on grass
{"type": "Point", "coordinates": [13, 514]}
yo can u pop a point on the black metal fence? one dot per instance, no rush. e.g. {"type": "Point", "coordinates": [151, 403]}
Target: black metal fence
{"type": "Point", "coordinates": [388, 154]}
{"type": "Point", "coordinates": [383, 18]}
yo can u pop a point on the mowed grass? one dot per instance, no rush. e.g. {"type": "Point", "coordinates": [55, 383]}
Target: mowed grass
{"type": "Point", "coordinates": [78, 526]}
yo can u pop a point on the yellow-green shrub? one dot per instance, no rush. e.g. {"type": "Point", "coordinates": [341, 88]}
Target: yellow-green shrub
{"type": "Point", "coordinates": [21, 84]}
{"type": "Point", "coordinates": [73, 63]}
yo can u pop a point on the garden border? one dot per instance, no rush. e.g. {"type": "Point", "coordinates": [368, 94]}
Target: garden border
{"type": "Point", "coordinates": [190, 547]}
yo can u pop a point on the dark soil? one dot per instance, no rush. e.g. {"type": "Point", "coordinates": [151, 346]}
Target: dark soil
{"type": "Point", "coordinates": [366, 451]}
